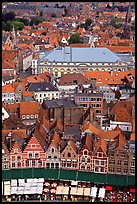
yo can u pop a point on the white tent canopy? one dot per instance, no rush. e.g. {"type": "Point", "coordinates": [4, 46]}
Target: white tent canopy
{"type": "Point", "coordinates": [65, 190]}
{"type": "Point", "coordinates": [59, 190]}
{"type": "Point", "coordinates": [73, 191]}
{"type": "Point", "coordinates": [87, 191]}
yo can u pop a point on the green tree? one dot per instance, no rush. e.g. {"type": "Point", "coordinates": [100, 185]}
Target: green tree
{"type": "Point", "coordinates": [23, 20]}
{"type": "Point", "coordinates": [113, 21]}
{"type": "Point", "coordinates": [75, 38]}
{"type": "Point", "coordinates": [8, 26]}
{"type": "Point", "coordinates": [36, 20]}
{"type": "Point", "coordinates": [17, 25]}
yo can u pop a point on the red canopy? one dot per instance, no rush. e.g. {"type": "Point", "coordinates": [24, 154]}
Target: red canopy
{"type": "Point", "coordinates": [108, 188]}
{"type": "Point", "coordinates": [132, 190]}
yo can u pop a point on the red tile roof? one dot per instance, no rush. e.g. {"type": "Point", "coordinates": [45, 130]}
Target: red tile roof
{"type": "Point", "coordinates": [90, 127]}
{"type": "Point", "coordinates": [7, 89]}
{"type": "Point", "coordinates": [28, 108]}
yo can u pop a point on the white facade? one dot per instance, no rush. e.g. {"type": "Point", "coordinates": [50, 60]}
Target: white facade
{"type": "Point", "coordinates": [27, 61]}
{"type": "Point", "coordinates": [40, 96]}
{"type": "Point", "coordinates": [8, 98]}
{"type": "Point", "coordinates": [34, 66]}
{"type": "Point", "coordinates": [5, 114]}
{"type": "Point", "coordinates": [124, 126]}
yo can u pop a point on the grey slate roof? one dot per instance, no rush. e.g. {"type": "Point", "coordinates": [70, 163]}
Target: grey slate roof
{"type": "Point", "coordinates": [68, 54]}
{"type": "Point", "coordinates": [55, 103]}
{"type": "Point", "coordinates": [42, 86]}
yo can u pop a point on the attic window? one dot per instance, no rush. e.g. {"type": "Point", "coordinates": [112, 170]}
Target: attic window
{"type": "Point", "coordinates": [85, 152]}
{"type": "Point", "coordinates": [99, 154]}
{"type": "Point", "coordinates": [15, 151]}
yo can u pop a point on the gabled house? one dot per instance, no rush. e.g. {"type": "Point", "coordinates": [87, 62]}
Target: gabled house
{"type": "Point", "coordinates": [8, 94]}
{"type": "Point", "coordinates": [44, 90]}
{"type": "Point", "coordinates": [33, 155]}
{"type": "Point", "coordinates": [85, 154]}
{"type": "Point", "coordinates": [5, 156]}
{"type": "Point", "coordinates": [53, 152]}
{"type": "Point", "coordinates": [69, 156]}
{"type": "Point", "coordinates": [16, 155]}
{"type": "Point", "coordinates": [29, 112]}
{"type": "Point", "coordinates": [100, 159]}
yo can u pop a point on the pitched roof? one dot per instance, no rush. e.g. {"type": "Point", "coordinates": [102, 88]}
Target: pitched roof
{"type": "Point", "coordinates": [91, 128]}
{"type": "Point", "coordinates": [73, 145]}
{"type": "Point", "coordinates": [71, 79]}
{"type": "Point", "coordinates": [27, 108]}
{"type": "Point", "coordinates": [56, 139]}
{"type": "Point", "coordinates": [42, 86]}
{"type": "Point", "coordinates": [108, 134]}
{"type": "Point", "coordinates": [7, 89]}
{"type": "Point", "coordinates": [101, 143]}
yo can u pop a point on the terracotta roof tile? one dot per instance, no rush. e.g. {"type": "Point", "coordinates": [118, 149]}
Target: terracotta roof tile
{"type": "Point", "coordinates": [70, 79]}
{"type": "Point", "coordinates": [90, 127]}
{"type": "Point", "coordinates": [56, 139]}
{"type": "Point", "coordinates": [73, 145]}
{"type": "Point", "coordinates": [132, 137]}
{"type": "Point", "coordinates": [101, 143]}
{"type": "Point", "coordinates": [27, 108]}
{"type": "Point", "coordinates": [7, 89]}
{"type": "Point", "coordinates": [108, 134]}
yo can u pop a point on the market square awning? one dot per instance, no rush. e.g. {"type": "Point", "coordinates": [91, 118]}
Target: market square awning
{"type": "Point", "coordinates": [65, 190]}
{"type": "Point", "coordinates": [87, 191]}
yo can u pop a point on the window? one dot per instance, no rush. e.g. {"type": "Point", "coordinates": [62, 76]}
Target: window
{"type": "Point", "coordinates": [133, 163]}
{"type": "Point", "coordinates": [47, 165]}
{"type": "Point", "coordinates": [18, 158]}
{"type": "Point", "coordinates": [56, 165]}
{"type": "Point", "coordinates": [74, 164]}
{"type": "Point", "coordinates": [39, 163]}
{"type": "Point", "coordinates": [27, 116]}
{"type": "Point", "coordinates": [96, 169]}
{"type": "Point", "coordinates": [88, 160]}
{"type": "Point", "coordinates": [98, 105]}
{"type": "Point", "coordinates": [111, 169]}
{"type": "Point", "coordinates": [30, 155]}
{"type": "Point", "coordinates": [5, 166]}
{"type": "Point", "coordinates": [88, 167]}
{"type": "Point", "coordinates": [132, 170]}
{"type": "Point", "coordinates": [102, 163]}
{"type": "Point", "coordinates": [36, 155]}
{"type": "Point", "coordinates": [82, 166]}
{"type": "Point", "coordinates": [13, 158]}
{"type": "Point", "coordinates": [36, 116]}
{"type": "Point", "coordinates": [18, 164]}
{"type": "Point", "coordinates": [99, 154]}
{"type": "Point", "coordinates": [52, 150]}
{"type": "Point", "coordinates": [126, 162]}
{"type": "Point", "coordinates": [63, 163]}
{"type": "Point", "coordinates": [98, 111]}
{"type": "Point", "coordinates": [33, 163]}
{"type": "Point", "coordinates": [15, 151]}
{"type": "Point", "coordinates": [83, 159]}
{"type": "Point", "coordinates": [23, 116]}
{"type": "Point", "coordinates": [125, 171]}
{"type": "Point", "coordinates": [49, 156]}
{"type": "Point", "coordinates": [33, 146]}
{"type": "Point", "coordinates": [27, 163]}
{"type": "Point", "coordinates": [96, 162]}
{"type": "Point", "coordinates": [32, 116]}
{"type": "Point", "coordinates": [118, 169]}
{"type": "Point", "coordinates": [119, 162]}
{"type": "Point", "coordinates": [68, 163]}
{"type": "Point", "coordinates": [85, 152]}
{"type": "Point", "coordinates": [5, 158]}
{"type": "Point", "coordinates": [69, 154]}
{"type": "Point", "coordinates": [13, 164]}
{"type": "Point", "coordinates": [98, 99]}
{"type": "Point", "coordinates": [112, 161]}
{"type": "Point", "coordinates": [52, 165]}
{"type": "Point", "coordinates": [102, 169]}
{"type": "Point", "coordinates": [55, 156]}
